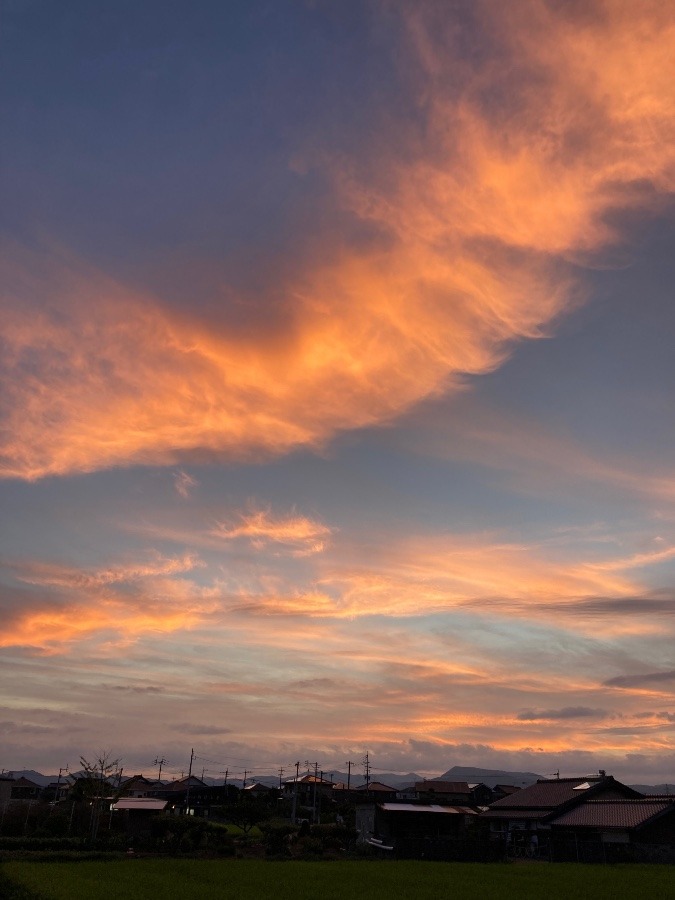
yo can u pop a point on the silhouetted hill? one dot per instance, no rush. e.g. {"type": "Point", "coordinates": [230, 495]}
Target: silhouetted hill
{"type": "Point", "coordinates": [491, 777]}
{"type": "Point", "coordinates": [654, 788]}
{"type": "Point", "coordinates": [32, 775]}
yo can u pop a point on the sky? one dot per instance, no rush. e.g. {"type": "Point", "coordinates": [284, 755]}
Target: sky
{"type": "Point", "coordinates": [337, 385]}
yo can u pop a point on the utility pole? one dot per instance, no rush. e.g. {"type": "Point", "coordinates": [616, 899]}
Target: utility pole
{"type": "Point", "coordinates": [187, 795]}
{"type": "Point", "coordinates": [316, 775]}
{"type": "Point", "coordinates": [245, 774]}
{"type": "Point", "coordinates": [58, 784]}
{"type": "Point", "coordinates": [225, 773]}
{"type": "Point", "coordinates": [281, 772]}
{"type": "Point", "coordinates": [366, 769]}
{"type": "Point", "coordinates": [295, 792]}
{"type": "Point", "coordinates": [160, 763]}
{"type": "Point", "coordinates": [349, 765]}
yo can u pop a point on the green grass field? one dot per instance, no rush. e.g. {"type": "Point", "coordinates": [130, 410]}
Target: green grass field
{"type": "Point", "coordinates": [253, 880]}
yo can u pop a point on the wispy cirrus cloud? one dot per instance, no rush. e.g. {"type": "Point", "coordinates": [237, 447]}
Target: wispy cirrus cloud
{"type": "Point", "coordinates": [567, 712]}
{"type": "Point", "coordinates": [655, 681]}
{"type": "Point", "coordinates": [62, 575]}
{"type": "Point", "coordinates": [426, 575]}
{"type": "Point", "coordinates": [261, 528]}
{"type": "Point", "coordinates": [115, 605]}
{"type": "Point", "coordinates": [184, 483]}
{"type": "Point", "coordinates": [199, 730]}
{"type": "Point", "coordinates": [513, 164]}
{"type": "Point", "coordinates": [534, 458]}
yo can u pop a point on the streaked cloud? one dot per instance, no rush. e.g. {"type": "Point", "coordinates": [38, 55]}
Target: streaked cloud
{"type": "Point", "coordinates": [647, 681]}
{"type": "Point", "coordinates": [261, 528]}
{"type": "Point", "coordinates": [471, 225]}
{"type": "Point", "coordinates": [60, 575]}
{"type": "Point", "coordinates": [533, 457]}
{"type": "Point", "coordinates": [106, 605]}
{"type": "Point", "coordinates": [199, 730]}
{"type": "Point", "coordinates": [567, 712]}
{"type": "Point", "coordinates": [184, 483]}
{"type": "Point", "coordinates": [246, 569]}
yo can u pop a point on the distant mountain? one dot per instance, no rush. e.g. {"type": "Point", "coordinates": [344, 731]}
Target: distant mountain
{"type": "Point", "coordinates": [490, 777]}
{"type": "Point", "coordinates": [390, 778]}
{"type": "Point", "coordinates": [654, 788]}
{"type": "Point", "coordinates": [357, 778]}
{"type": "Point", "coordinates": [35, 777]}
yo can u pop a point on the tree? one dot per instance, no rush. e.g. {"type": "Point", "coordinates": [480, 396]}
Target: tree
{"type": "Point", "coordinates": [95, 782]}
{"type": "Point", "coordinates": [247, 812]}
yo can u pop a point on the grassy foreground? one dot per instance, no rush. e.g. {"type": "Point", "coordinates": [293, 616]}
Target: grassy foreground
{"type": "Point", "coordinates": [259, 880]}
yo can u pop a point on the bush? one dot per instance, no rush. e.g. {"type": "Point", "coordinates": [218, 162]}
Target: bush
{"type": "Point", "coordinates": [277, 839]}
{"type": "Point", "coordinates": [335, 837]}
{"type": "Point", "coordinates": [40, 843]}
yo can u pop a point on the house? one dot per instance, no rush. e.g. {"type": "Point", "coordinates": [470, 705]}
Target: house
{"type": "Point", "coordinates": [611, 830]}
{"type": "Point", "coordinates": [139, 786]}
{"type": "Point", "coordinates": [5, 790]}
{"type": "Point", "coordinates": [308, 787]}
{"type": "Point", "coordinates": [377, 790]}
{"type": "Point", "coordinates": [24, 789]}
{"type": "Point", "coordinates": [203, 798]}
{"type": "Point", "coordinates": [499, 791]}
{"type": "Point", "coordinates": [443, 792]}
{"type": "Point", "coordinates": [481, 794]}
{"type": "Point", "coordinates": [419, 830]}
{"type": "Point", "coordinates": [257, 789]}
{"type": "Point", "coordinates": [173, 789]}
{"type": "Point", "coordinates": [514, 818]}
{"type": "Point", "coordinates": [134, 812]}
{"type": "Point", "coordinates": [57, 790]}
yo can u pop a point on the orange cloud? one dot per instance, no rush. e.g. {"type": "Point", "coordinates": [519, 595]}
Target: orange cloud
{"type": "Point", "coordinates": [112, 622]}
{"type": "Point", "coordinates": [261, 528]}
{"type": "Point", "coordinates": [59, 575]}
{"type": "Point", "coordinates": [472, 220]}
{"type": "Point", "coordinates": [114, 606]}
{"type": "Point", "coordinates": [472, 576]}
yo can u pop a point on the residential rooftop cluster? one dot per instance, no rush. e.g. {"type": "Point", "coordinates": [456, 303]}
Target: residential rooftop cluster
{"type": "Point", "coordinates": [586, 818]}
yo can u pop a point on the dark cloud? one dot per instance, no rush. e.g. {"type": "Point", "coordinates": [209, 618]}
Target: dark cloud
{"type": "Point", "coordinates": [659, 603]}
{"type": "Point", "coordinates": [567, 712]}
{"type": "Point", "coordinates": [133, 689]}
{"type": "Point", "coordinates": [663, 715]}
{"type": "Point", "coordinates": [648, 680]}
{"type": "Point", "coordinates": [637, 729]}
{"type": "Point", "coordinates": [309, 683]}
{"type": "Point", "coordinates": [187, 728]}
{"type": "Point", "coordinates": [8, 727]}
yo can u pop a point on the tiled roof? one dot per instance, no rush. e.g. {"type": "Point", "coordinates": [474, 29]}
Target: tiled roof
{"type": "Point", "coordinates": [443, 787]}
{"type": "Point", "coordinates": [140, 803]}
{"type": "Point", "coordinates": [427, 808]}
{"type": "Point", "coordinates": [377, 786]}
{"type": "Point", "coordinates": [545, 794]}
{"type": "Point", "coordinates": [516, 814]}
{"type": "Point", "coordinates": [613, 813]}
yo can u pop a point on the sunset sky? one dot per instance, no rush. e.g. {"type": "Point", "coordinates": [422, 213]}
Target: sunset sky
{"type": "Point", "coordinates": [338, 367]}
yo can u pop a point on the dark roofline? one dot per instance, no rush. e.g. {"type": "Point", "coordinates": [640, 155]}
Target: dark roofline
{"type": "Point", "coordinates": [637, 801]}
{"type": "Point", "coordinates": [547, 813]}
